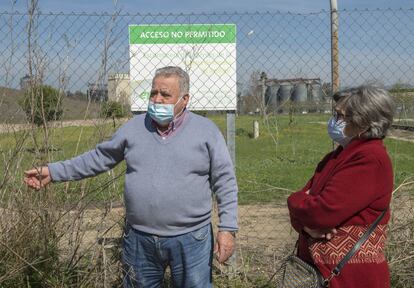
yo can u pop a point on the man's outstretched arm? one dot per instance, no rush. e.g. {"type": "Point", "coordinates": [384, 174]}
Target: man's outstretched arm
{"type": "Point", "coordinates": [104, 157]}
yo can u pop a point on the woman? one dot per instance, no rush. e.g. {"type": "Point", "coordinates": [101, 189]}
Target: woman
{"type": "Point", "coordinates": [350, 188]}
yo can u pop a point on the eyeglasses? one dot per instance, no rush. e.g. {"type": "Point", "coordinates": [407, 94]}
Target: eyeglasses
{"type": "Point", "coordinates": [339, 115]}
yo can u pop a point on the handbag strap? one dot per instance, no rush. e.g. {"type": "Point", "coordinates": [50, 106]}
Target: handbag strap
{"type": "Point", "coordinates": [357, 246]}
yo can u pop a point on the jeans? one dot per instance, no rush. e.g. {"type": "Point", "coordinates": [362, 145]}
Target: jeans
{"type": "Point", "coordinates": [145, 258]}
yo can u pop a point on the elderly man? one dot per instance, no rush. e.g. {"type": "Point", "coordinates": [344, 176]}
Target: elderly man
{"type": "Point", "coordinates": [174, 160]}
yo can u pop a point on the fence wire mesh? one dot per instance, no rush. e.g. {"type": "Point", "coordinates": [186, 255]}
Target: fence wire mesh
{"type": "Point", "coordinates": [283, 74]}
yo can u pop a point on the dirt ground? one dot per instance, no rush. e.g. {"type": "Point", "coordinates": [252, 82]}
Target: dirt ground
{"type": "Point", "coordinates": [265, 234]}
{"type": "Point", "coordinates": [265, 226]}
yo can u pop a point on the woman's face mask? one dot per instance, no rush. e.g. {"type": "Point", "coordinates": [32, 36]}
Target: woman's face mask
{"type": "Point", "coordinates": [163, 114]}
{"type": "Point", "coordinates": [336, 131]}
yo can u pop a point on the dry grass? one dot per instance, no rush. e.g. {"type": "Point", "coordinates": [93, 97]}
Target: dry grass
{"type": "Point", "coordinates": [43, 244]}
{"type": "Point", "coordinates": [400, 247]}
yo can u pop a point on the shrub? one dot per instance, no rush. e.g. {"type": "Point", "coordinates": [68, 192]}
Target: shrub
{"type": "Point", "coordinates": [42, 104]}
{"type": "Point", "coordinates": [113, 109]}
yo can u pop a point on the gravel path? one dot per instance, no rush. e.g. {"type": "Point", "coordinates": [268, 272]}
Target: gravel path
{"type": "Point", "coordinates": [7, 128]}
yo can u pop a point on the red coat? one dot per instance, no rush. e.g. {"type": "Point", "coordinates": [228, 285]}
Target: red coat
{"type": "Point", "coordinates": [349, 190]}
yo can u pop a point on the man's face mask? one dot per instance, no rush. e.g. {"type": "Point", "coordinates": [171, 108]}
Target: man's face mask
{"type": "Point", "coordinates": [336, 131]}
{"type": "Point", "coordinates": [163, 114]}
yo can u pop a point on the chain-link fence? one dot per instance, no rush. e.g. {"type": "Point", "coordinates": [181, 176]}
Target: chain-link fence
{"type": "Point", "coordinates": [86, 53]}
{"type": "Point", "coordinates": [283, 65]}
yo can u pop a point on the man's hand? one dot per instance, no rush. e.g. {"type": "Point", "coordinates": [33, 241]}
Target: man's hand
{"type": "Point", "coordinates": [320, 233]}
{"type": "Point", "coordinates": [224, 246]}
{"type": "Point", "coordinates": [38, 177]}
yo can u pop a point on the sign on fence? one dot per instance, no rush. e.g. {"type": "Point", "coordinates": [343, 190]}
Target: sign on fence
{"type": "Point", "coordinates": [206, 51]}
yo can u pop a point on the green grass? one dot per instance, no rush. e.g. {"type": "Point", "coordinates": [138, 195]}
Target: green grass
{"type": "Point", "coordinates": [281, 160]}
{"type": "Point", "coordinates": [267, 166]}
{"type": "Point", "coordinates": [64, 143]}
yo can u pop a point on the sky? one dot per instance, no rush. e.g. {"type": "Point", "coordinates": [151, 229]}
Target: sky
{"type": "Point", "coordinates": [374, 45]}
{"type": "Point", "coordinates": [192, 6]}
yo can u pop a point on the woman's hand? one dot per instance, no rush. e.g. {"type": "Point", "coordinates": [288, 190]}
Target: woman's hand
{"type": "Point", "coordinates": [320, 233]}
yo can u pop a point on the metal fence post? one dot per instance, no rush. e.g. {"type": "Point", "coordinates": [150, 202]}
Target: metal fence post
{"type": "Point", "coordinates": [231, 146]}
{"type": "Point", "coordinates": [231, 135]}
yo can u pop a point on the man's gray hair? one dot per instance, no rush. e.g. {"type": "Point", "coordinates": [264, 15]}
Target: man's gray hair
{"type": "Point", "coordinates": [183, 77]}
{"type": "Point", "coordinates": [368, 108]}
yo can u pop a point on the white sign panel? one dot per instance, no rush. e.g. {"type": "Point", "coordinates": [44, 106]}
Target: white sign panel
{"type": "Point", "coordinates": [206, 51]}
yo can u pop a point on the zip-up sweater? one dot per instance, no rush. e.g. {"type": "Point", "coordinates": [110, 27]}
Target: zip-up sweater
{"type": "Point", "coordinates": [169, 182]}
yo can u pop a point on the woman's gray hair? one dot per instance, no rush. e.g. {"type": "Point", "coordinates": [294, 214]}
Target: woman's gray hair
{"type": "Point", "coordinates": [183, 77]}
{"type": "Point", "coordinates": [367, 108]}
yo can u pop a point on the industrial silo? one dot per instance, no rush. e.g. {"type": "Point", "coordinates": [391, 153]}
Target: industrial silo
{"type": "Point", "coordinates": [300, 93]}
{"type": "Point", "coordinates": [271, 97]}
{"type": "Point", "coordinates": [283, 96]}
{"type": "Point", "coordinates": [317, 98]}
{"type": "Point", "coordinates": [316, 94]}
{"type": "Point", "coordinates": [284, 93]}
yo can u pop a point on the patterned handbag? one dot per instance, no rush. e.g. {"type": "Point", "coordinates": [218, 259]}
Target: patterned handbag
{"type": "Point", "coordinates": [296, 273]}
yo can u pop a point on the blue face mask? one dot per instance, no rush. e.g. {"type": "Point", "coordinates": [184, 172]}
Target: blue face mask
{"type": "Point", "coordinates": [336, 131]}
{"type": "Point", "coordinates": [163, 114]}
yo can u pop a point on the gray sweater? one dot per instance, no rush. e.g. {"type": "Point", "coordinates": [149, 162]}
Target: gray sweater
{"type": "Point", "coordinates": [168, 182]}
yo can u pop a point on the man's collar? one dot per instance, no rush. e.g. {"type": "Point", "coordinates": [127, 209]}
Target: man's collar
{"type": "Point", "coordinates": [172, 125]}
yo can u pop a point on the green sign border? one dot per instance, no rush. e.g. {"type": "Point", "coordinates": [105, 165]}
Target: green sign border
{"type": "Point", "coordinates": [182, 34]}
